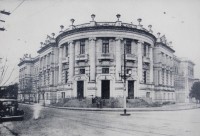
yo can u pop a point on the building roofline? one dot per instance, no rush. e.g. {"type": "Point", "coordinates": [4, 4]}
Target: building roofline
{"type": "Point", "coordinates": [166, 46]}
{"type": "Point", "coordinates": [47, 46]}
{"type": "Point", "coordinates": [103, 27]}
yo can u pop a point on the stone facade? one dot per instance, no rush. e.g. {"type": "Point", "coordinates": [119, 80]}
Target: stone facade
{"type": "Point", "coordinates": [184, 78]}
{"type": "Point", "coordinates": [88, 60]}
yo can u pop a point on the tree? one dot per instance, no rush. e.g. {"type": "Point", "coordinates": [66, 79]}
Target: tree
{"type": "Point", "coordinates": [195, 92]}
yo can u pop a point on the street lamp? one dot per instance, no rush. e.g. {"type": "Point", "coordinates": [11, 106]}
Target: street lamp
{"type": "Point", "coordinates": [124, 76]}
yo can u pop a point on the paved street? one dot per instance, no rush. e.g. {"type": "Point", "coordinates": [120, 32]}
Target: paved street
{"type": "Point", "coordinates": [54, 122]}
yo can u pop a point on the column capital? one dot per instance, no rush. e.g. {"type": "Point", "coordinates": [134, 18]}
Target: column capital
{"type": "Point", "coordinates": [118, 38]}
{"type": "Point", "coordinates": [92, 38]}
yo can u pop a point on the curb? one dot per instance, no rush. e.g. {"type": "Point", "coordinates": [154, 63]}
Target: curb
{"type": "Point", "coordinates": [121, 109]}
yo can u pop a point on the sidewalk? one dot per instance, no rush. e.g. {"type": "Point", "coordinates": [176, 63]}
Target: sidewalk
{"type": "Point", "coordinates": [174, 107]}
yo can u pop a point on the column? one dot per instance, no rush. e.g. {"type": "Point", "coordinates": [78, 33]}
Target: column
{"type": "Point", "coordinates": [92, 57]}
{"type": "Point", "coordinates": [139, 44]}
{"type": "Point", "coordinates": [151, 63]}
{"type": "Point", "coordinates": [71, 60]}
{"type": "Point", "coordinates": [60, 66]}
{"type": "Point", "coordinates": [118, 57]}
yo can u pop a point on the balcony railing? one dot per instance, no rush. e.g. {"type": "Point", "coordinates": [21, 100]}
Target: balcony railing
{"type": "Point", "coordinates": [81, 57]}
{"type": "Point", "coordinates": [146, 59]}
{"type": "Point", "coordinates": [106, 24]}
{"type": "Point", "coordinates": [131, 57]}
{"type": "Point", "coordinates": [65, 60]}
{"type": "Point", "coordinates": [106, 56]}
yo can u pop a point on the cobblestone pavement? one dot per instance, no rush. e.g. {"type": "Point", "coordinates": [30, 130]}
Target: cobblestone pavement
{"type": "Point", "coordinates": [61, 122]}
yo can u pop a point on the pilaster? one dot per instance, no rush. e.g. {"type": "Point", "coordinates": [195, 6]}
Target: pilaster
{"type": "Point", "coordinates": [118, 57]}
{"type": "Point", "coordinates": [139, 44]}
{"type": "Point", "coordinates": [71, 60]}
{"type": "Point", "coordinates": [92, 57]}
{"type": "Point", "coordinates": [60, 66]}
{"type": "Point", "coordinates": [151, 63]}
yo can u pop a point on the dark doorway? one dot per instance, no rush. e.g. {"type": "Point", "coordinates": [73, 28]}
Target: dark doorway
{"type": "Point", "coordinates": [131, 89]}
{"type": "Point", "coordinates": [105, 89]}
{"type": "Point", "coordinates": [80, 88]}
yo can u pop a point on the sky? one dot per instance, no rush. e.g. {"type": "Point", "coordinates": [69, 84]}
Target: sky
{"type": "Point", "coordinates": [31, 20]}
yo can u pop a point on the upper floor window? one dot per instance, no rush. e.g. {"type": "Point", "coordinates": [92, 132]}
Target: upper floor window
{"type": "Point", "coordinates": [82, 71]}
{"type": "Point", "coordinates": [82, 47]}
{"type": "Point", "coordinates": [128, 46]}
{"type": "Point", "coordinates": [145, 50]}
{"type": "Point", "coordinates": [66, 76]}
{"type": "Point", "coordinates": [105, 70]}
{"type": "Point", "coordinates": [145, 76]}
{"type": "Point", "coordinates": [105, 46]}
{"type": "Point", "coordinates": [66, 51]}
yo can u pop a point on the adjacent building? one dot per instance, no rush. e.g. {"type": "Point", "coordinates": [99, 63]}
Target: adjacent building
{"type": "Point", "coordinates": [91, 59]}
{"type": "Point", "coordinates": [184, 78]}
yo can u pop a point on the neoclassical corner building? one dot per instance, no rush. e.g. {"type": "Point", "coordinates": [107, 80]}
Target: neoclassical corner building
{"type": "Point", "coordinates": [88, 60]}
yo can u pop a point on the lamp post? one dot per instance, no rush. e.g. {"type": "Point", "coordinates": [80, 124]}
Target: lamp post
{"type": "Point", "coordinates": [124, 76]}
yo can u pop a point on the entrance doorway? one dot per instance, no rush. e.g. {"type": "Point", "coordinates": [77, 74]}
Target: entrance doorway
{"type": "Point", "coordinates": [105, 89]}
{"type": "Point", "coordinates": [80, 88]}
{"type": "Point", "coordinates": [131, 89]}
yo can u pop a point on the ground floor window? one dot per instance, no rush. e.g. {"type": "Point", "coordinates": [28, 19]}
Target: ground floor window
{"type": "Point", "coordinates": [148, 94]}
{"type": "Point", "coordinates": [63, 95]}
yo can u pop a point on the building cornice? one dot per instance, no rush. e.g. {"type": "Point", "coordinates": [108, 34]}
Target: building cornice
{"type": "Point", "coordinates": [165, 46]}
{"type": "Point", "coordinates": [46, 47]}
{"type": "Point", "coordinates": [99, 28]}
{"type": "Point", "coordinates": [25, 61]}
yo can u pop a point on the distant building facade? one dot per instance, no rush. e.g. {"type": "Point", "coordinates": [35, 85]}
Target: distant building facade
{"type": "Point", "coordinates": [184, 78]}
{"type": "Point", "coordinates": [27, 91]}
{"type": "Point", "coordinates": [88, 60]}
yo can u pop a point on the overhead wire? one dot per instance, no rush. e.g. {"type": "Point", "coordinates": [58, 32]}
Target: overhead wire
{"type": "Point", "coordinates": [18, 6]}
{"type": "Point", "coordinates": [9, 76]}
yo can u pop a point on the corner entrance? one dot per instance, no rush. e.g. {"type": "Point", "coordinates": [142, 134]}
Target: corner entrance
{"type": "Point", "coordinates": [131, 89]}
{"type": "Point", "coordinates": [105, 89]}
{"type": "Point", "coordinates": [80, 88]}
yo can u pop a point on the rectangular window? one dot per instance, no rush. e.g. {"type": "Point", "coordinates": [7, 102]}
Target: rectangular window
{"type": "Point", "coordinates": [163, 73]}
{"type": "Point", "coordinates": [128, 71]}
{"type": "Point", "coordinates": [145, 76]}
{"type": "Point", "coordinates": [82, 47]}
{"type": "Point", "coordinates": [167, 77]}
{"type": "Point", "coordinates": [105, 46]}
{"type": "Point", "coordinates": [66, 51]}
{"type": "Point", "coordinates": [47, 96]}
{"type": "Point", "coordinates": [66, 76]}
{"type": "Point", "coordinates": [105, 70]}
{"type": "Point", "coordinates": [144, 50]}
{"type": "Point", "coordinates": [63, 94]}
{"type": "Point", "coordinates": [128, 46]}
{"type": "Point", "coordinates": [82, 71]}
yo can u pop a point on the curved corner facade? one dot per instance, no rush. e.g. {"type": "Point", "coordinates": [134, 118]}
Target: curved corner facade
{"type": "Point", "coordinates": [88, 60]}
